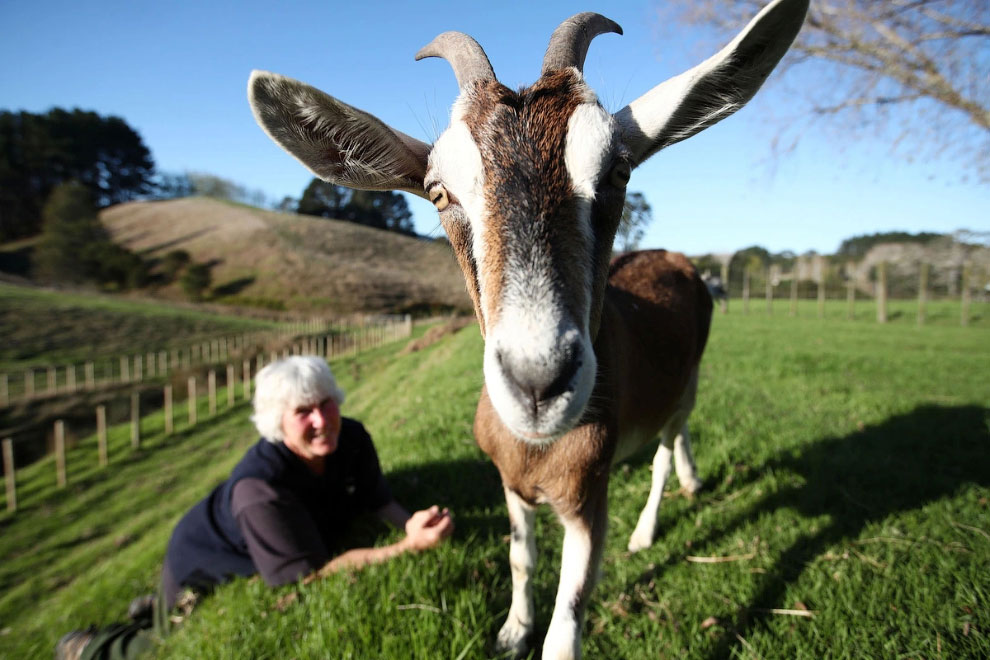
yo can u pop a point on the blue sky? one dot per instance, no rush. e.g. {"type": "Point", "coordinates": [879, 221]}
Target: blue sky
{"type": "Point", "coordinates": [177, 73]}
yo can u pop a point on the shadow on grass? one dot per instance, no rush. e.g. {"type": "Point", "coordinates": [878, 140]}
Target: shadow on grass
{"type": "Point", "coordinates": [903, 464]}
{"type": "Point", "coordinates": [469, 487]}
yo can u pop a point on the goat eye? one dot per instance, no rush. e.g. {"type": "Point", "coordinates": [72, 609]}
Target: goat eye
{"type": "Point", "coordinates": [438, 195]}
{"type": "Point", "coordinates": [619, 175]}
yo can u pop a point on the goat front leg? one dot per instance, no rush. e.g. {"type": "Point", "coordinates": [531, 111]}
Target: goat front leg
{"type": "Point", "coordinates": [584, 539]}
{"type": "Point", "coordinates": [522, 561]}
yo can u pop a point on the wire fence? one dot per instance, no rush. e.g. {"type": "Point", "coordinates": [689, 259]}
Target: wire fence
{"type": "Point", "coordinates": [173, 396]}
{"type": "Point", "coordinates": [923, 292]}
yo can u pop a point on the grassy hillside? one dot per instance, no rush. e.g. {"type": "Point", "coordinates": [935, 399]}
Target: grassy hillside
{"type": "Point", "coordinates": [42, 327]}
{"type": "Point", "coordinates": [295, 262]}
{"type": "Point", "coordinates": [846, 472]}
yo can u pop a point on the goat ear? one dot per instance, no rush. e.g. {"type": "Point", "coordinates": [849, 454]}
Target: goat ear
{"type": "Point", "coordinates": [335, 141]}
{"type": "Point", "coordinates": [713, 90]}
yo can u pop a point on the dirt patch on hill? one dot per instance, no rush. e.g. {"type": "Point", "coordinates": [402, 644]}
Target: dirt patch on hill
{"type": "Point", "coordinates": [436, 333]}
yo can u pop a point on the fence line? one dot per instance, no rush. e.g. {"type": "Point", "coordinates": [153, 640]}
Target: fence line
{"type": "Point", "coordinates": [103, 373]}
{"type": "Point", "coordinates": [743, 288]}
{"type": "Point", "coordinates": [334, 345]}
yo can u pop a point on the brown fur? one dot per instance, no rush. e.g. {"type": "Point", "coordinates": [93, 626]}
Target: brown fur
{"type": "Point", "coordinates": [521, 137]}
{"type": "Point", "coordinates": [654, 328]}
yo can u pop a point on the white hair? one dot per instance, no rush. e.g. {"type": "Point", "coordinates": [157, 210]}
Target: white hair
{"type": "Point", "coordinates": [299, 380]}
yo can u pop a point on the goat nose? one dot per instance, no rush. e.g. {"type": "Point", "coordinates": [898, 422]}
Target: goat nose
{"type": "Point", "coordinates": [539, 381]}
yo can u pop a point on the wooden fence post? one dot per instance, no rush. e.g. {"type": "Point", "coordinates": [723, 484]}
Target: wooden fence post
{"type": "Point", "coordinates": [90, 376]}
{"type": "Point", "coordinates": [191, 401]}
{"type": "Point", "coordinates": [60, 453]}
{"type": "Point", "coordinates": [168, 410]}
{"type": "Point", "coordinates": [745, 290]}
{"type": "Point", "coordinates": [8, 474]}
{"type": "Point", "coordinates": [794, 292]}
{"type": "Point", "coordinates": [725, 283]}
{"type": "Point", "coordinates": [882, 292]}
{"type": "Point", "coordinates": [247, 380]}
{"type": "Point", "coordinates": [769, 291]}
{"type": "Point", "coordinates": [211, 387]}
{"type": "Point", "coordinates": [965, 298]}
{"type": "Point", "coordinates": [850, 299]}
{"type": "Point", "coordinates": [135, 420]}
{"type": "Point", "coordinates": [101, 434]}
{"type": "Point", "coordinates": [138, 370]}
{"type": "Point", "coordinates": [230, 386]}
{"type": "Point", "coordinates": [821, 296]}
{"type": "Point", "coordinates": [70, 378]}
{"type": "Point", "coordinates": [922, 292]}
{"type": "Point", "coordinates": [125, 375]}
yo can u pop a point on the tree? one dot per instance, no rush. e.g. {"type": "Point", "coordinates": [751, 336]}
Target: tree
{"type": "Point", "coordinates": [324, 199]}
{"type": "Point", "coordinates": [173, 263]}
{"type": "Point", "coordinates": [287, 205]}
{"type": "Point", "coordinates": [196, 280]}
{"type": "Point", "coordinates": [70, 229]}
{"type": "Point", "coordinates": [38, 152]}
{"type": "Point", "coordinates": [371, 208]}
{"type": "Point", "coordinates": [857, 246]}
{"type": "Point", "coordinates": [917, 67]}
{"type": "Point", "coordinates": [636, 215]}
{"type": "Point", "coordinates": [75, 247]}
{"type": "Point", "coordinates": [174, 186]}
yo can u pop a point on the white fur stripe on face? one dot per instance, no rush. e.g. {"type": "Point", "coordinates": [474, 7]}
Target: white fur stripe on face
{"type": "Point", "coordinates": [456, 162]}
{"type": "Point", "coordinates": [590, 132]}
{"type": "Point", "coordinates": [589, 147]}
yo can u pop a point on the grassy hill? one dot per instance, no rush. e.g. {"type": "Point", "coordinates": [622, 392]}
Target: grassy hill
{"type": "Point", "coordinates": [847, 476]}
{"type": "Point", "coordinates": [293, 262]}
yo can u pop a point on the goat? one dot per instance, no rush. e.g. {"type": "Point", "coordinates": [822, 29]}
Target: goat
{"type": "Point", "coordinates": [584, 360]}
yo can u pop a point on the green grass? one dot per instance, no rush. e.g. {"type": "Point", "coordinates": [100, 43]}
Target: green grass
{"type": "Point", "coordinates": [846, 468]}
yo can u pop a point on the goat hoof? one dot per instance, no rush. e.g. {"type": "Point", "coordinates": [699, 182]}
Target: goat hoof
{"type": "Point", "coordinates": [691, 488]}
{"type": "Point", "coordinates": [513, 638]}
{"type": "Point", "coordinates": [639, 541]}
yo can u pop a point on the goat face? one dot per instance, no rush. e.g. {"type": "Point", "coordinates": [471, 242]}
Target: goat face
{"type": "Point", "coordinates": [530, 187]}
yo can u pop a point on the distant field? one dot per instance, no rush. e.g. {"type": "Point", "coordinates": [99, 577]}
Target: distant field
{"type": "Point", "coordinates": [937, 312]}
{"type": "Point", "coordinates": [847, 474]}
{"type": "Point", "coordinates": [41, 327]}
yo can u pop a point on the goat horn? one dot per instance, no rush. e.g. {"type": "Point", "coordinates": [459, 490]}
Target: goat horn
{"type": "Point", "coordinates": [465, 55]}
{"type": "Point", "coordinates": [569, 42]}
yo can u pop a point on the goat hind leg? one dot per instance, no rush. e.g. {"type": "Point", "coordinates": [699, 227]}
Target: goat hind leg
{"type": "Point", "coordinates": [687, 473]}
{"type": "Point", "coordinates": [646, 526]}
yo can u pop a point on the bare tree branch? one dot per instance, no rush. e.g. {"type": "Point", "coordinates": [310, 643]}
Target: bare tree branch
{"type": "Point", "coordinates": [917, 67]}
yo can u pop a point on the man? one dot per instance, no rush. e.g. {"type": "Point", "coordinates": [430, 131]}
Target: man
{"type": "Point", "coordinates": [281, 513]}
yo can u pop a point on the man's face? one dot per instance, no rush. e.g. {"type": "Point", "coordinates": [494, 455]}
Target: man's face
{"type": "Point", "coordinates": [311, 431]}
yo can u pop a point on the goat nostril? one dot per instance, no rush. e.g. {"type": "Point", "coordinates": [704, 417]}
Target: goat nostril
{"type": "Point", "coordinates": [539, 383]}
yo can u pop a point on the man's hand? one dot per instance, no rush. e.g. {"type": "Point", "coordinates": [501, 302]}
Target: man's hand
{"type": "Point", "coordinates": [428, 527]}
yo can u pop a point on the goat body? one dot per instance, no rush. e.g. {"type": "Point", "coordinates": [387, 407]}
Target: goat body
{"type": "Point", "coordinates": [654, 327]}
